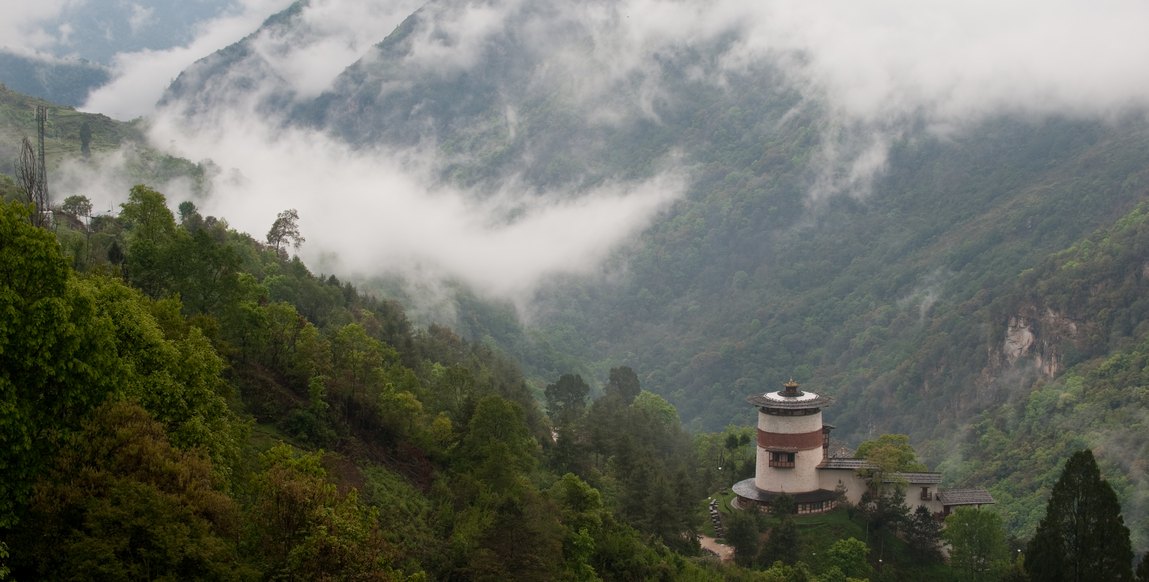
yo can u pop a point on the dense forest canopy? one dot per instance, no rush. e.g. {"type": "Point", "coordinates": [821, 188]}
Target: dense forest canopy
{"type": "Point", "coordinates": [145, 393]}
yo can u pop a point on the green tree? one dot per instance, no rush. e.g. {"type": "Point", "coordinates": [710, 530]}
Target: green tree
{"type": "Point", "coordinates": [285, 230]}
{"type": "Point", "coordinates": [179, 380]}
{"type": "Point", "coordinates": [890, 453]}
{"type": "Point", "coordinates": [742, 535]}
{"type": "Point", "coordinates": [566, 399]}
{"type": "Point", "coordinates": [657, 409]}
{"type": "Point", "coordinates": [78, 207]}
{"type": "Point", "coordinates": [848, 556]}
{"type": "Point", "coordinates": [781, 544]}
{"type": "Point", "coordinates": [977, 541]}
{"type": "Point", "coordinates": [9, 190]}
{"type": "Point", "coordinates": [86, 140]}
{"type": "Point", "coordinates": [784, 506]}
{"type": "Point", "coordinates": [1142, 574]}
{"type": "Point", "coordinates": [1082, 536]}
{"type": "Point", "coordinates": [58, 355]}
{"type": "Point", "coordinates": [150, 227]}
{"type": "Point", "coordinates": [146, 215]}
{"type": "Point", "coordinates": [580, 503]}
{"type": "Point", "coordinates": [623, 384]}
{"type": "Point", "coordinates": [5, 570]}
{"type": "Point", "coordinates": [498, 448]}
{"type": "Point", "coordinates": [121, 503]}
{"type": "Point", "coordinates": [305, 529]}
{"type": "Point", "coordinates": [883, 502]}
{"type": "Point", "coordinates": [923, 533]}
{"type": "Point", "coordinates": [203, 271]}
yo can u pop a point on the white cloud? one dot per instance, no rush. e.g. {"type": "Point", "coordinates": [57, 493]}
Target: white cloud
{"type": "Point", "coordinates": [377, 211]}
{"type": "Point", "coordinates": [879, 66]}
{"type": "Point", "coordinates": [24, 26]}
{"type": "Point", "coordinates": [948, 60]}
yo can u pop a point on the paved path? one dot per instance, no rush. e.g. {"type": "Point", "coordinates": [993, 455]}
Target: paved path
{"type": "Point", "coordinates": [725, 552]}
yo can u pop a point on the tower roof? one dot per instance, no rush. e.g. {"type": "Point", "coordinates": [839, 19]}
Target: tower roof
{"type": "Point", "coordinates": [789, 398]}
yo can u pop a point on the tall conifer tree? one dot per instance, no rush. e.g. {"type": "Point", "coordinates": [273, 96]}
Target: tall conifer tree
{"type": "Point", "coordinates": [1082, 536]}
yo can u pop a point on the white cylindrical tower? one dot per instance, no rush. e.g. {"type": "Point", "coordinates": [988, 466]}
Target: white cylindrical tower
{"type": "Point", "coordinates": [791, 440]}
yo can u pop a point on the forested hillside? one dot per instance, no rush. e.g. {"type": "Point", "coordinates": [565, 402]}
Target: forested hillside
{"type": "Point", "coordinates": [150, 371]}
{"type": "Point", "coordinates": [915, 287]}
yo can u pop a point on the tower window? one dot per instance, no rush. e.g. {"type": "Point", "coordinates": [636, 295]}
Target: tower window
{"type": "Point", "coordinates": [782, 460]}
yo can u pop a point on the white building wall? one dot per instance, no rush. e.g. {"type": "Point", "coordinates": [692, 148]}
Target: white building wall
{"type": "Point", "coordinates": [855, 486]}
{"type": "Point", "coordinates": [790, 424]}
{"type": "Point", "coordinates": [829, 479]}
{"type": "Point", "coordinates": [914, 498]}
{"type": "Point", "coordinates": [802, 478]}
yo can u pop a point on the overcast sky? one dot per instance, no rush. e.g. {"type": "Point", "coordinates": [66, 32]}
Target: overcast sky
{"type": "Point", "coordinates": [878, 64]}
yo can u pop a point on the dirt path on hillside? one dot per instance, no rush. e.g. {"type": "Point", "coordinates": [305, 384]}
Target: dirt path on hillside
{"type": "Point", "coordinates": [725, 552]}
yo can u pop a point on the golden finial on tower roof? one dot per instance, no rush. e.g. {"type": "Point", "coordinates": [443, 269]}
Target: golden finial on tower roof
{"type": "Point", "coordinates": [791, 388]}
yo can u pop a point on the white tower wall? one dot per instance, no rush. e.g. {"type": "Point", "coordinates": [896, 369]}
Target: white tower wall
{"type": "Point", "coordinates": [800, 435]}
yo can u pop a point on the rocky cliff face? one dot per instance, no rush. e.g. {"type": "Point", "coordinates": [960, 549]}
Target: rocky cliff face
{"type": "Point", "coordinates": [1034, 340]}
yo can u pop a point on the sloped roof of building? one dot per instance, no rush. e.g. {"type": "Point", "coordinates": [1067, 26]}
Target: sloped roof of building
{"type": "Point", "coordinates": [849, 464]}
{"type": "Point", "coordinates": [965, 497]}
{"type": "Point", "coordinates": [843, 463]}
{"type": "Point", "coordinates": [923, 478]}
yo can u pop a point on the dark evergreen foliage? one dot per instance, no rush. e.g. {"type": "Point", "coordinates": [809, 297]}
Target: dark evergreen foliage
{"type": "Point", "coordinates": [781, 544]}
{"type": "Point", "coordinates": [623, 384]}
{"type": "Point", "coordinates": [566, 399]}
{"type": "Point", "coordinates": [923, 534]}
{"type": "Point", "coordinates": [742, 535]}
{"type": "Point", "coordinates": [1083, 535]}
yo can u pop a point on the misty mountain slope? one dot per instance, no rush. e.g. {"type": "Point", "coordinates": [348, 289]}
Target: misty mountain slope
{"type": "Point", "coordinates": [523, 103]}
{"type": "Point", "coordinates": [289, 59]}
{"type": "Point", "coordinates": [764, 269]}
{"type": "Point", "coordinates": [59, 81]}
{"type": "Point", "coordinates": [514, 110]}
{"type": "Point", "coordinates": [237, 74]}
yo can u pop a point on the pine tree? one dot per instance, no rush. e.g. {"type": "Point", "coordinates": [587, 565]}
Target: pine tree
{"type": "Point", "coordinates": [742, 535]}
{"type": "Point", "coordinates": [923, 533]}
{"type": "Point", "coordinates": [781, 544]}
{"type": "Point", "coordinates": [1082, 536]}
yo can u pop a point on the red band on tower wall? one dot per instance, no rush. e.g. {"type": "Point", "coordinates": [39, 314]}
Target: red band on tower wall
{"type": "Point", "coordinates": [801, 441]}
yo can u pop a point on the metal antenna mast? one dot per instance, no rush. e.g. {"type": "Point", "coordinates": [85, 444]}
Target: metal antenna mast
{"type": "Point", "coordinates": [42, 179]}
